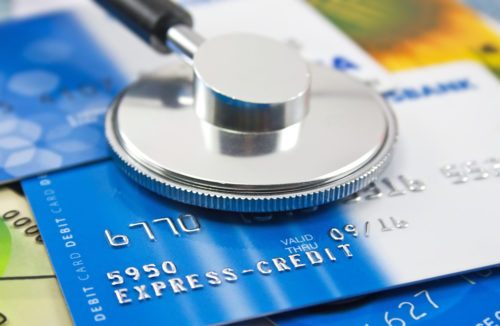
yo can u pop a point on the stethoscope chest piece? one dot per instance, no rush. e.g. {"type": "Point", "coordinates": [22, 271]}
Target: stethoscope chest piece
{"type": "Point", "coordinates": [250, 127]}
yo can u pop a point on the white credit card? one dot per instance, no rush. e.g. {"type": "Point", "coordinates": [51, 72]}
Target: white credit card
{"type": "Point", "coordinates": [449, 144]}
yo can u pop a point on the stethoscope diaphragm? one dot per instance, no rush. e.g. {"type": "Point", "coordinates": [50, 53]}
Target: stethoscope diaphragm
{"type": "Point", "coordinates": [247, 125]}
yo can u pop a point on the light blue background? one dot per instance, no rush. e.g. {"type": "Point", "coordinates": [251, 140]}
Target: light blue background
{"type": "Point", "coordinates": [55, 86]}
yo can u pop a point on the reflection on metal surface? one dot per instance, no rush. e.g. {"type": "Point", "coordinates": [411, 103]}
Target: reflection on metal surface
{"type": "Point", "coordinates": [250, 83]}
{"type": "Point", "coordinates": [339, 147]}
{"type": "Point", "coordinates": [232, 143]}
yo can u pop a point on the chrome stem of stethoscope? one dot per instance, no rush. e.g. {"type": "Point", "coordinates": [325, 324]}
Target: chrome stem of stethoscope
{"type": "Point", "coordinates": [184, 41]}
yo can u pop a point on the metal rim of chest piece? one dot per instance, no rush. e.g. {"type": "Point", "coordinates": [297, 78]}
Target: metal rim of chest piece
{"type": "Point", "coordinates": [322, 137]}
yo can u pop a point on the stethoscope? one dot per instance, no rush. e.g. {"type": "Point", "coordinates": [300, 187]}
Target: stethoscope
{"type": "Point", "coordinates": [243, 123]}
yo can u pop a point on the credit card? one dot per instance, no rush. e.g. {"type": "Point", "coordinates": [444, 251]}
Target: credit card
{"type": "Point", "coordinates": [55, 86]}
{"type": "Point", "coordinates": [29, 292]}
{"type": "Point", "coordinates": [470, 299]}
{"type": "Point", "coordinates": [414, 33]}
{"type": "Point", "coordinates": [124, 255]}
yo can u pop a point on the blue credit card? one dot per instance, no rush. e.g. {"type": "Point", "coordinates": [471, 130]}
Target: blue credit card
{"type": "Point", "coordinates": [470, 299]}
{"type": "Point", "coordinates": [55, 86]}
{"type": "Point", "coordinates": [125, 255]}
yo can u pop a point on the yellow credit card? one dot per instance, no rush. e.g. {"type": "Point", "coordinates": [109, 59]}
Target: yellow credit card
{"type": "Point", "coordinates": [29, 292]}
{"type": "Point", "coordinates": [413, 33]}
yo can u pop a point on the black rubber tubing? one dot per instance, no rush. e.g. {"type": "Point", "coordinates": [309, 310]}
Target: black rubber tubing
{"type": "Point", "coordinates": [149, 19]}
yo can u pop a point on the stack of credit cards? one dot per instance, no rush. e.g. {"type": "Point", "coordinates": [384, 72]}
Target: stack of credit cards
{"type": "Point", "coordinates": [417, 247]}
